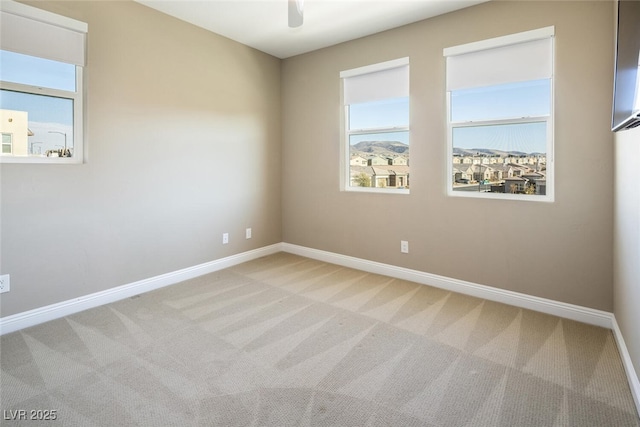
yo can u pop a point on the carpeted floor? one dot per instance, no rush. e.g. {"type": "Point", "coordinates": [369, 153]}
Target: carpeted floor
{"type": "Point", "coordinates": [288, 341]}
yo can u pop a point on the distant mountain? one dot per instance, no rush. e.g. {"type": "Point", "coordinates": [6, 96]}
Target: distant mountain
{"type": "Point", "coordinates": [392, 148]}
{"type": "Point", "coordinates": [490, 152]}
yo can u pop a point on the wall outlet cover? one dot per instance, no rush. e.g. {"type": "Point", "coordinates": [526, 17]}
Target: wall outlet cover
{"type": "Point", "coordinates": [5, 283]}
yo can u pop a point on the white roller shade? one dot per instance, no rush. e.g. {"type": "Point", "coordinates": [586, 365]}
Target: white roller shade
{"type": "Point", "coordinates": [32, 31]}
{"type": "Point", "coordinates": [510, 60]}
{"type": "Point", "coordinates": [382, 81]}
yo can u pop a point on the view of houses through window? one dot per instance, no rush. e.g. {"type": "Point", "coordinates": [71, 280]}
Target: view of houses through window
{"type": "Point", "coordinates": [379, 159]}
{"type": "Point", "coordinates": [503, 158]}
{"type": "Point", "coordinates": [380, 163]}
{"type": "Point", "coordinates": [376, 100]}
{"type": "Point", "coordinates": [42, 57]}
{"type": "Point", "coordinates": [34, 109]}
{"type": "Point", "coordinates": [500, 116]}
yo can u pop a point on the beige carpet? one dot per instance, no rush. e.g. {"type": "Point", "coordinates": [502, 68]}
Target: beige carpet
{"type": "Point", "coordinates": [288, 341]}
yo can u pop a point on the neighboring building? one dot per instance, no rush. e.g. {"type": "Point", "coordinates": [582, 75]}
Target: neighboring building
{"type": "Point", "coordinates": [518, 169]}
{"type": "Point", "coordinates": [462, 173]}
{"type": "Point", "coordinates": [515, 185]}
{"type": "Point", "coordinates": [377, 161]}
{"type": "Point", "coordinates": [482, 172]}
{"type": "Point", "coordinates": [357, 161]}
{"type": "Point", "coordinates": [399, 161]}
{"type": "Point", "coordinates": [532, 176]}
{"type": "Point", "coordinates": [382, 177]}
{"type": "Point", "coordinates": [504, 177]}
{"type": "Point", "coordinates": [15, 133]}
{"type": "Point", "coordinates": [500, 171]}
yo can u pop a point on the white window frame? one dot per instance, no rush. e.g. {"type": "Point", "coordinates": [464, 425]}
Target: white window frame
{"type": "Point", "coordinates": [549, 120]}
{"type": "Point", "coordinates": [345, 167]}
{"type": "Point", "coordinates": [77, 97]}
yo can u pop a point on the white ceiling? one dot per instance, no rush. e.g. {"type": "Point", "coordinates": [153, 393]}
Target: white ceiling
{"type": "Point", "coordinates": [262, 24]}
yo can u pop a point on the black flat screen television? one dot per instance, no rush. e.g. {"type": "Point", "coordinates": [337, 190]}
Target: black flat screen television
{"type": "Point", "coordinates": [626, 108]}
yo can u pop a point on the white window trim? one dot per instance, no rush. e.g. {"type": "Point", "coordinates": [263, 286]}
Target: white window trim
{"type": "Point", "coordinates": [526, 36]}
{"type": "Point", "coordinates": [345, 175]}
{"type": "Point", "coordinates": [347, 157]}
{"type": "Point", "coordinates": [76, 96]}
{"type": "Point", "coordinates": [78, 114]}
{"type": "Point", "coordinates": [548, 197]}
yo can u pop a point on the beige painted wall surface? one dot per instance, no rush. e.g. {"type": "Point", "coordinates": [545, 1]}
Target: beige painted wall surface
{"type": "Point", "coordinates": [627, 241]}
{"type": "Point", "coordinates": [560, 250]}
{"type": "Point", "coordinates": [183, 136]}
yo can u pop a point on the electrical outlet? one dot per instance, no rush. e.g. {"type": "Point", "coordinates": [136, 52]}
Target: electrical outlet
{"type": "Point", "coordinates": [248, 233]}
{"type": "Point", "coordinates": [225, 238]}
{"type": "Point", "coordinates": [404, 246]}
{"type": "Point", "coordinates": [5, 283]}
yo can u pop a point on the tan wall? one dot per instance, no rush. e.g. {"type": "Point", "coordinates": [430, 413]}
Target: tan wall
{"type": "Point", "coordinates": [183, 144]}
{"type": "Point", "coordinates": [169, 104]}
{"type": "Point", "coordinates": [627, 241]}
{"type": "Point", "coordinates": [560, 250]}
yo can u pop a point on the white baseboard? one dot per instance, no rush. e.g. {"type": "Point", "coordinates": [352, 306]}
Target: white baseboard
{"type": "Point", "coordinates": [569, 311]}
{"type": "Point", "coordinates": [632, 377]}
{"type": "Point", "coordinates": [64, 308]}
{"type": "Point", "coordinates": [54, 311]}
{"type": "Point", "coordinates": [556, 308]}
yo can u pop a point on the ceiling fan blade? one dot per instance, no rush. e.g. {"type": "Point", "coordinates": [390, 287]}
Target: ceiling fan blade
{"type": "Point", "coordinates": [295, 13]}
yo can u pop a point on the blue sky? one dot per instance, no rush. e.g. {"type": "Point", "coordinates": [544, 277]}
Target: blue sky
{"type": "Point", "coordinates": [513, 100]}
{"type": "Point", "coordinates": [47, 115]}
{"type": "Point", "coordinates": [42, 109]}
{"type": "Point", "coordinates": [40, 72]}
{"type": "Point", "coordinates": [377, 114]}
{"type": "Point", "coordinates": [524, 137]}
{"type": "Point", "coordinates": [34, 71]}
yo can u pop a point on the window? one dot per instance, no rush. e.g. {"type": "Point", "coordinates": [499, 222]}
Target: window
{"type": "Point", "coordinates": [376, 127]}
{"type": "Point", "coordinates": [7, 143]}
{"type": "Point", "coordinates": [500, 117]}
{"type": "Point", "coordinates": [42, 56]}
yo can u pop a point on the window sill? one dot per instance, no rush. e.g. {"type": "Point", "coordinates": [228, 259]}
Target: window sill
{"type": "Point", "coordinates": [39, 160]}
{"type": "Point", "coordinates": [376, 190]}
{"type": "Point", "coordinates": [501, 196]}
